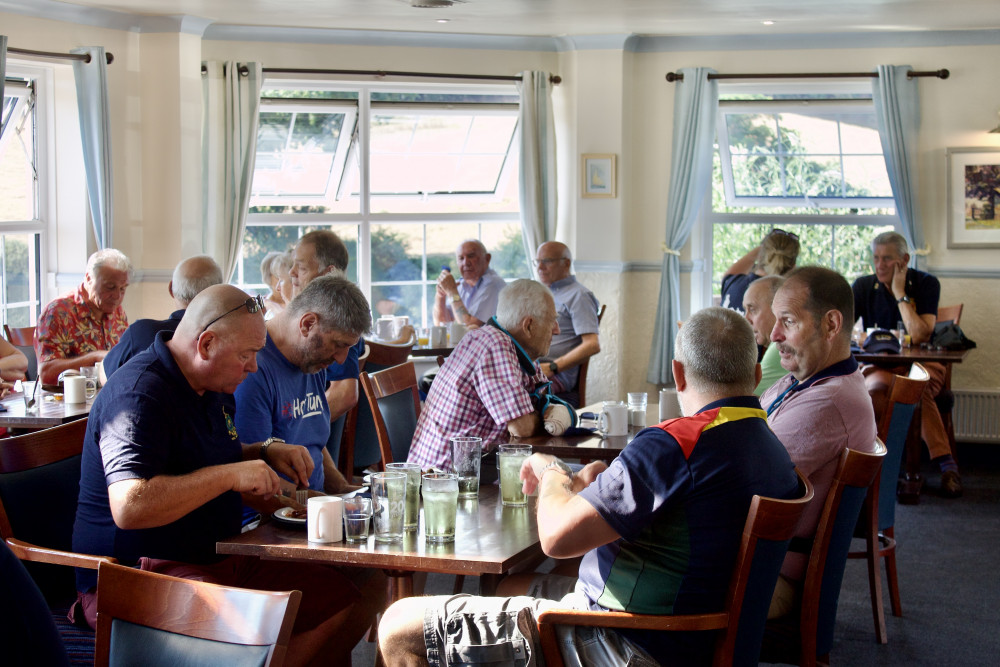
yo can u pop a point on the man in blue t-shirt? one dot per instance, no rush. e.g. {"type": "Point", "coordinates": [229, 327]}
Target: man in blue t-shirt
{"type": "Point", "coordinates": [658, 529]}
{"type": "Point", "coordinates": [190, 277]}
{"type": "Point", "coordinates": [163, 468]}
{"type": "Point", "coordinates": [285, 398]}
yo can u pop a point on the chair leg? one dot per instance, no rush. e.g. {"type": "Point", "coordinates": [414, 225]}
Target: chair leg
{"type": "Point", "coordinates": [891, 576]}
{"type": "Point", "coordinates": [875, 584]}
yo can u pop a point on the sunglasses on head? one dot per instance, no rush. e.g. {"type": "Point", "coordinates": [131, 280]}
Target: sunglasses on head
{"type": "Point", "coordinates": [254, 304]}
{"type": "Point", "coordinates": [782, 232]}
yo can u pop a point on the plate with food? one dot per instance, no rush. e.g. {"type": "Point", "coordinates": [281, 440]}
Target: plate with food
{"type": "Point", "coordinates": [291, 516]}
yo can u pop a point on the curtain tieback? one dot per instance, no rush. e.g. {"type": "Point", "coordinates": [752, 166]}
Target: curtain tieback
{"type": "Point", "coordinates": [923, 252]}
{"type": "Point", "coordinates": [670, 251]}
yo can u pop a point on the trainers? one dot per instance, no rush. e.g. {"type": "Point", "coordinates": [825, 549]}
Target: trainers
{"type": "Point", "coordinates": [951, 484]}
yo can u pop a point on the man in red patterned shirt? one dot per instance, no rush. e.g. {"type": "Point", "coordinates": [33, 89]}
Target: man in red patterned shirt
{"type": "Point", "coordinates": [484, 388]}
{"type": "Point", "coordinates": [78, 329]}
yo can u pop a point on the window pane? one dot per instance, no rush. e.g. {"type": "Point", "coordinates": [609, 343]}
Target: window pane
{"type": "Point", "coordinates": [442, 241]}
{"type": "Point", "coordinates": [507, 250]}
{"type": "Point", "coordinates": [17, 156]}
{"type": "Point", "coordinates": [295, 153]}
{"type": "Point", "coordinates": [20, 296]}
{"type": "Point", "coordinates": [258, 240]}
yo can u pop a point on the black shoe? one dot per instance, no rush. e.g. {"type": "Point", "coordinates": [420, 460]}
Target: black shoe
{"type": "Point", "coordinates": [951, 484]}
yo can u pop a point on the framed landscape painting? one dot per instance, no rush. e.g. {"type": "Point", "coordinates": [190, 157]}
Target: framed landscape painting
{"type": "Point", "coordinates": [974, 197]}
{"type": "Point", "coordinates": [599, 175]}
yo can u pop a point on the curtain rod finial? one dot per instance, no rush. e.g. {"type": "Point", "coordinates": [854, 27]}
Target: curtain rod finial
{"type": "Point", "coordinates": [943, 74]}
{"type": "Point", "coordinates": [110, 57]}
{"type": "Point", "coordinates": [674, 76]}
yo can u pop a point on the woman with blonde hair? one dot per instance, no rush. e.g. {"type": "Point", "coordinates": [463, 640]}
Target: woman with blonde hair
{"type": "Point", "coordinates": [274, 270]}
{"type": "Point", "coordinates": [775, 256]}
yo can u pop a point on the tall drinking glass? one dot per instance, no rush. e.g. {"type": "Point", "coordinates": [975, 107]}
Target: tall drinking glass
{"type": "Point", "coordinates": [411, 514]}
{"type": "Point", "coordinates": [466, 455]}
{"type": "Point", "coordinates": [388, 501]}
{"type": "Point", "coordinates": [510, 459]}
{"type": "Point", "coordinates": [440, 506]}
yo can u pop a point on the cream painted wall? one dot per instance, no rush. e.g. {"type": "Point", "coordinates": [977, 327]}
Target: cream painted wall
{"type": "Point", "coordinates": [610, 101]}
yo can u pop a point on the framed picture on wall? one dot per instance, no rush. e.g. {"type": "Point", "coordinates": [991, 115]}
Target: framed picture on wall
{"type": "Point", "coordinates": [974, 197]}
{"type": "Point", "coordinates": [599, 175]}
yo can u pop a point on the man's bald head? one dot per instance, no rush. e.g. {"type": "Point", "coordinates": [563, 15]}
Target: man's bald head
{"type": "Point", "coordinates": [216, 302]}
{"type": "Point", "coordinates": [192, 276]}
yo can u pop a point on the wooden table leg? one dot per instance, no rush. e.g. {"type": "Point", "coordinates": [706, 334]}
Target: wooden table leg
{"type": "Point", "coordinates": [911, 483]}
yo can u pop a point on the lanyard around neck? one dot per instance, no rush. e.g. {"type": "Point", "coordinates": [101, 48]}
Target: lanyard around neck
{"type": "Point", "coordinates": [781, 397]}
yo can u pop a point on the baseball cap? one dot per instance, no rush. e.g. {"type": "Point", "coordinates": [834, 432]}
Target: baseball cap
{"type": "Point", "coordinates": [881, 340]}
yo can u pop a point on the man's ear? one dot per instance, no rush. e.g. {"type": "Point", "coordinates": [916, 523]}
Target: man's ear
{"type": "Point", "coordinates": [170, 289]}
{"type": "Point", "coordinates": [677, 369]}
{"type": "Point", "coordinates": [833, 323]}
{"type": "Point", "coordinates": [206, 344]}
{"type": "Point", "coordinates": [488, 258]}
{"type": "Point", "coordinates": [308, 322]}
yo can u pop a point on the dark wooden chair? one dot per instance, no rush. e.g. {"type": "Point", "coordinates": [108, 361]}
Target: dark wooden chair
{"type": "Point", "coordinates": [39, 485]}
{"type": "Point", "coordinates": [340, 430]}
{"type": "Point", "coordinates": [880, 504]}
{"type": "Point", "coordinates": [150, 619]}
{"type": "Point", "coordinates": [27, 631]}
{"type": "Point", "coordinates": [395, 405]}
{"type": "Point", "coordinates": [769, 528]}
{"type": "Point", "coordinates": [579, 392]}
{"type": "Point", "coordinates": [23, 338]}
{"type": "Point", "coordinates": [360, 446]}
{"type": "Point", "coordinates": [945, 400]}
{"type": "Point", "coordinates": [805, 637]}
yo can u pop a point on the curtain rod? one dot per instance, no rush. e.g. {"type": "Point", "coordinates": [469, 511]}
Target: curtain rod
{"type": "Point", "coordinates": [553, 78]}
{"type": "Point", "coordinates": [85, 57]}
{"type": "Point", "coordinates": [940, 74]}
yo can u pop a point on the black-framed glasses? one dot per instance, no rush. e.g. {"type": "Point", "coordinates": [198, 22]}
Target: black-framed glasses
{"type": "Point", "coordinates": [254, 304]}
{"type": "Point", "coordinates": [549, 260]}
{"type": "Point", "coordinates": [782, 232]}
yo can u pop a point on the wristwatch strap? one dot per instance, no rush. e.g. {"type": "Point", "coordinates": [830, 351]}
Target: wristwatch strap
{"type": "Point", "coordinates": [266, 444]}
{"type": "Point", "coordinates": [558, 465]}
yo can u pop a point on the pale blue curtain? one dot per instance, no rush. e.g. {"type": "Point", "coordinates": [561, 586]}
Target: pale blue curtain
{"type": "Point", "coordinates": [3, 64]}
{"type": "Point", "coordinates": [95, 131]}
{"type": "Point", "coordinates": [897, 109]}
{"type": "Point", "coordinates": [537, 180]}
{"type": "Point", "coordinates": [695, 102]}
{"type": "Point", "coordinates": [229, 146]}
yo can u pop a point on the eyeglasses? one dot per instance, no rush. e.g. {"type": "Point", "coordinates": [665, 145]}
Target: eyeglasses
{"type": "Point", "coordinates": [254, 304]}
{"type": "Point", "coordinates": [784, 233]}
{"type": "Point", "coordinates": [539, 262]}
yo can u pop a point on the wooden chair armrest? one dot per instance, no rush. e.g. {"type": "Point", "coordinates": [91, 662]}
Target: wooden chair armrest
{"type": "Point", "coordinates": [618, 619]}
{"type": "Point", "coordinates": [30, 552]}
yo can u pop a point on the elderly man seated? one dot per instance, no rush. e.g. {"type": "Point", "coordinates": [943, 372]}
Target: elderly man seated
{"type": "Point", "coordinates": [163, 468]}
{"type": "Point", "coordinates": [576, 306]}
{"type": "Point", "coordinates": [190, 277]}
{"type": "Point", "coordinates": [78, 329]}
{"type": "Point", "coordinates": [473, 299]}
{"type": "Point", "coordinates": [484, 388]}
{"type": "Point", "coordinates": [757, 302]}
{"type": "Point", "coordinates": [658, 529]}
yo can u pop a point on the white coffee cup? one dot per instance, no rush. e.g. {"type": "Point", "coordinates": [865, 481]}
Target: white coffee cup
{"type": "Point", "coordinates": [325, 519]}
{"type": "Point", "coordinates": [613, 420]}
{"type": "Point", "coordinates": [384, 327]}
{"type": "Point", "coordinates": [398, 322]}
{"type": "Point", "coordinates": [457, 331]}
{"type": "Point", "coordinates": [77, 389]}
{"type": "Point", "coordinates": [670, 408]}
{"type": "Point", "coordinates": [439, 336]}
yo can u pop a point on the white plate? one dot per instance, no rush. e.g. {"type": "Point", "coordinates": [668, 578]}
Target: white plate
{"type": "Point", "coordinates": [281, 515]}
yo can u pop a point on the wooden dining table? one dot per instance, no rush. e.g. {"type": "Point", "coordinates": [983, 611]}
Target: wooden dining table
{"type": "Point", "coordinates": [52, 411]}
{"type": "Point", "coordinates": [912, 481]}
{"type": "Point", "coordinates": [490, 541]}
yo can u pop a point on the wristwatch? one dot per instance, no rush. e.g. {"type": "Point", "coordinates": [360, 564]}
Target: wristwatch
{"type": "Point", "coordinates": [904, 299]}
{"type": "Point", "coordinates": [456, 297]}
{"type": "Point", "coordinates": [266, 444]}
{"type": "Point", "coordinates": [554, 366]}
{"type": "Point", "coordinates": [558, 465]}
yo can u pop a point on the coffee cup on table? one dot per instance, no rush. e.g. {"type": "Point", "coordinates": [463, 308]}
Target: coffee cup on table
{"type": "Point", "coordinates": [324, 519]}
{"type": "Point", "coordinates": [613, 420]}
{"type": "Point", "coordinates": [439, 336]}
{"type": "Point", "coordinates": [77, 388]}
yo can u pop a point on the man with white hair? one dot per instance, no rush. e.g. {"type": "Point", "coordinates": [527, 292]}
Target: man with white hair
{"type": "Point", "coordinates": [78, 329]}
{"type": "Point", "coordinates": [473, 299]}
{"type": "Point", "coordinates": [484, 387]}
{"type": "Point", "coordinates": [659, 528]}
{"type": "Point", "coordinates": [190, 277]}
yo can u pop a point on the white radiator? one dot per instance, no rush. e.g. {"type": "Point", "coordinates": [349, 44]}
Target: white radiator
{"type": "Point", "coordinates": [977, 416]}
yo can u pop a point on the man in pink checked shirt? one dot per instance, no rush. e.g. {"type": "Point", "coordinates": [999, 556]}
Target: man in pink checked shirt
{"type": "Point", "coordinates": [484, 388]}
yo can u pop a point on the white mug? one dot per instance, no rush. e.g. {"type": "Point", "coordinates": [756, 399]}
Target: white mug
{"type": "Point", "coordinates": [384, 328]}
{"type": "Point", "coordinates": [77, 389]}
{"type": "Point", "coordinates": [457, 331]}
{"type": "Point", "coordinates": [439, 336]}
{"type": "Point", "coordinates": [325, 519]}
{"type": "Point", "coordinates": [670, 407]}
{"type": "Point", "coordinates": [613, 420]}
{"type": "Point", "coordinates": [398, 322]}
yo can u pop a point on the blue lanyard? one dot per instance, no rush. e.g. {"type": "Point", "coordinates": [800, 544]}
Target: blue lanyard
{"type": "Point", "coordinates": [781, 397]}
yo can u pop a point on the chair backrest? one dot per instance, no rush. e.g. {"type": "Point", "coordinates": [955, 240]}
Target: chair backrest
{"type": "Point", "coordinates": [828, 557]}
{"type": "Point", "coordinates": [340, 444]}
{"type": "Point", "coordinates": [581, 378]}
{"type": "Point", "coordinates": [150, 619]}
{"type": "Point", "coordinates": [953, 313]}
{"type": "Point", "coordinates": [361, 446]}
{"type": "Point", "coordinates": [893, 428]}
{"type": "Point", "coordinates": [394, 401]}
{"type": "Point", "coordinates": [39, 485]}
{"type": "Point", "coordinates": [28, 633]}
{"type": "Point", "coordinates": [23, 338]}
{"type": "Point", "coordinates": [769, 528]}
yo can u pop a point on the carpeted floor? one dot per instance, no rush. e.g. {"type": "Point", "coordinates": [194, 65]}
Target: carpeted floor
{"type": "Point", "coordinates": [948, 556]}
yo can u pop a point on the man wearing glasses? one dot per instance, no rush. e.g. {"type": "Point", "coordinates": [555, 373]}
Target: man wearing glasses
{"type": "Point", "coordinates": [576, 308]}
{"type": "Point", "coordinates": [163, 470]}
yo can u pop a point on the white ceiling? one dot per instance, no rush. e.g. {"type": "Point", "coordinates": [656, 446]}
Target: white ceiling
{"type": "Point", "coordinates": [561, 17]}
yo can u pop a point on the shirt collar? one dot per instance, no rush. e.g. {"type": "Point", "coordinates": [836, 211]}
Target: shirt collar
{"type": "Point", "coordinates": [734, 402]}
{"type": "Point", "coordinates": [842, 367]}
{"type": "Point", "coordinates": [568, 280]}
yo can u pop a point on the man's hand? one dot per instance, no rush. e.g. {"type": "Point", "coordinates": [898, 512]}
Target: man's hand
{"type": "Point", "coordinates": [530, 470]}
{"type": "Point", "coordinates": [446, 283]}
{"type": "Point", "coordinates": [255, 478]}
{"type": "Point", "coordinates": [293, 461]}
{"type": "Point", "coordinates": [5, 388]}
{"type": "Point", "coordinates": [899, 280]}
